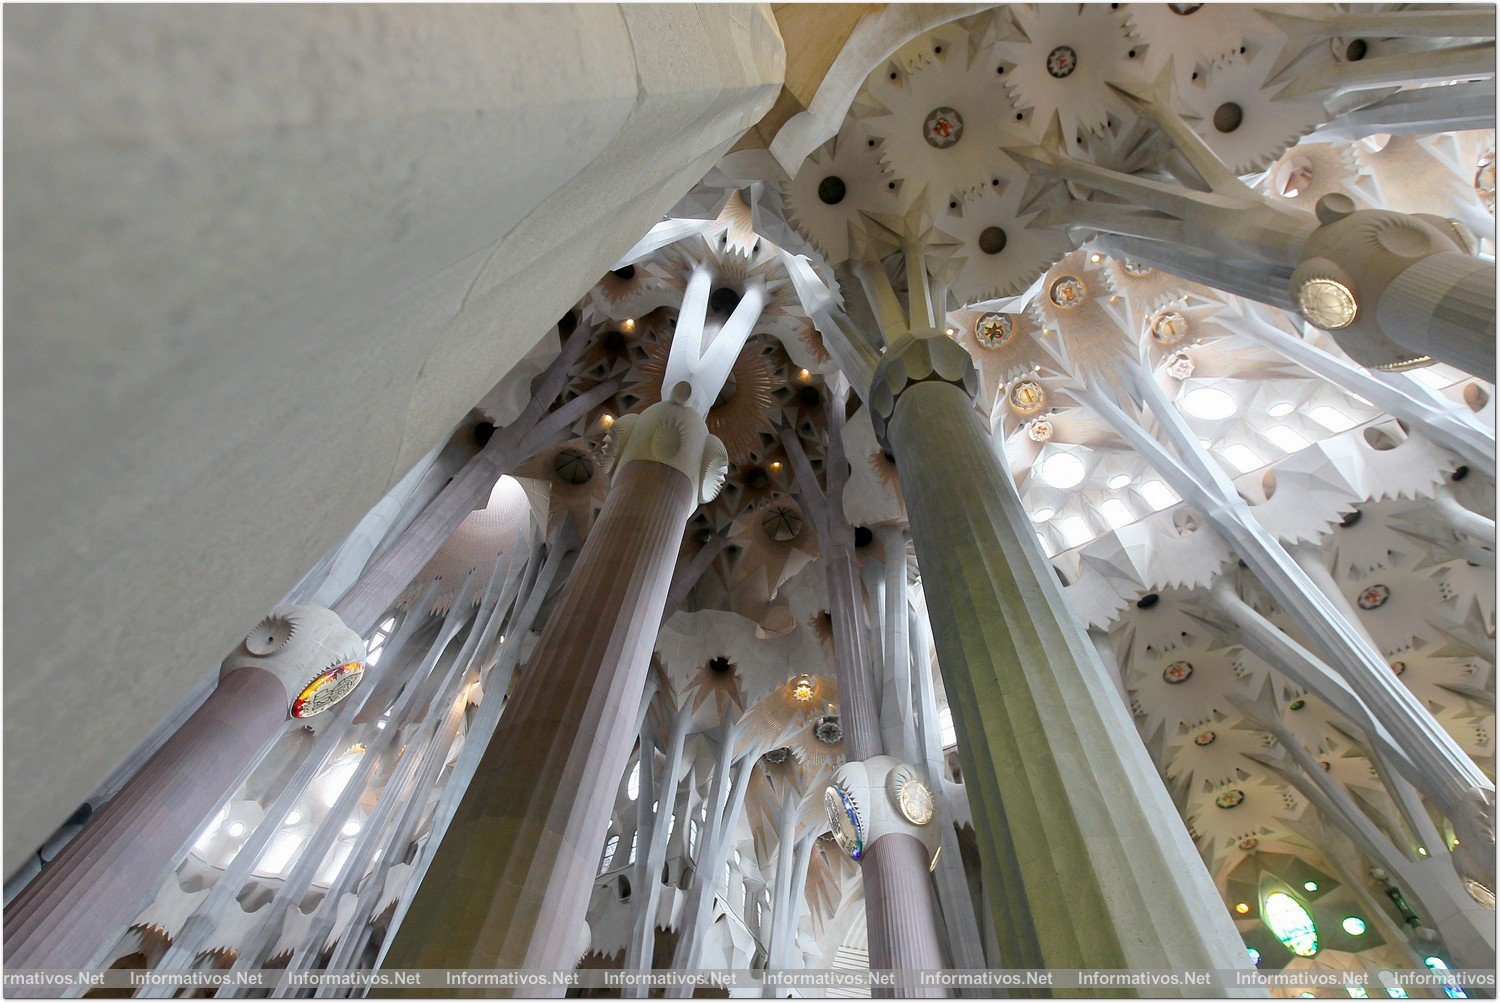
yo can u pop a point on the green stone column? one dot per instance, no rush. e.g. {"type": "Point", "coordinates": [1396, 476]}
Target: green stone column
{"type": "Point", "coordinates": [1086, 859]}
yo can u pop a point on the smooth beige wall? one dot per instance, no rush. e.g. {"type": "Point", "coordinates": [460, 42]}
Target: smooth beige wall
{"type": "Point", "coordinates": [259, 259]}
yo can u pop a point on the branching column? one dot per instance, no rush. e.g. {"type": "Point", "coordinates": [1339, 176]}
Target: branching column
{"type": "Point", "coordinates": [1088, 858]}
{"type": "Point", "coordinates": [901, 913]}
{"type": "Point", "coordinates": [1430, 758]}
{"type": "Point", "coordinates": [509, 886]}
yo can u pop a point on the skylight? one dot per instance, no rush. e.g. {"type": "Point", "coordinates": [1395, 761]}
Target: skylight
{"type": "Point", "coordinates": [1209, 403]}
{"type": "Point", "coordinates": [1158, 495]}
{"type": "Point", "coordinates": [1063, 470]}
{"type": "Point", "coordinates": [1243, 457]}
{"type": "Point", "coordinates": [1288, 439]}
{"type": "Point", "coordinates": [1331, 418]}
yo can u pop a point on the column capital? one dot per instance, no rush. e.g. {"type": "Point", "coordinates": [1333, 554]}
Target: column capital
{"type": "Point", "coordinates": [309, 649]}
{"type": "Point", "coordinates": [1354, 256]}
{"type": "Point", "coordinates": [927, 356]}
{"type": "Point", "coordinates": [879, 796]}
{"type": "Point", "coordinates": [670, 433]}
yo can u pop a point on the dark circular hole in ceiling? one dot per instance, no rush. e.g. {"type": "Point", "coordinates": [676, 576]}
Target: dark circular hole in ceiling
{"type": "Point", "coordinates": [1228, 116]}
{"type": "Point", "coordinates": [719, 663]}
{"type": "Point", "coordinates": [1147, 601]}
{"type": "Point", "coordinates": [723, 300]}
{"type": "Point", "coordinates": [992, 240]}
{"type": "Point", "coordinates": [831, 190]}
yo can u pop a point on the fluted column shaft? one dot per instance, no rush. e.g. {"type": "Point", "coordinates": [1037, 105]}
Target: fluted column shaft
{"type": "Point", "coordinates": [1091, 865]}
{"type": "Point", "coordinates": [858, 712]}
{"type": "Point", "coordinates": [510, 883]}
{"type": "Point", "coordinates": [899, 907]}
{"type": "Point", "coordinates": [81, 902]}
{"type": "Point", "coordinates": [385, 577]}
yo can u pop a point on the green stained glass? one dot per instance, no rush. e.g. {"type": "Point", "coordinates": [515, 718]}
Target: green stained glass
{"type": "Point", "coordinates": [1291, 923]}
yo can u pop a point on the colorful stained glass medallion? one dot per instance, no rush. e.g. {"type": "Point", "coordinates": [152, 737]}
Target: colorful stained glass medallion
{"type": "Point", "coordinates": [1374, 597]}
{"type": "Point", "coordinates": [1180, 365]}
{"type": "Point", "coordinates": [331, 686]}
{"type": "Point", "coordinates": [1232, 798]}
{"type": "Point", "coordinates": [1067, 292]}
{"type": "Point", "coordinates": [1398, 667]}
{"type": "Point", "coordinates": [1178, 672]}
{"type": "Point", "coordinates": [1062, 61]}
{"type": "Point", "coordinates": [943, 128]}
{"type": "Point", "coordinates": [1204, 738]}
{"type": "Point", "coordinates": [844, 821]}
{"type": "Point", "coordinates": [992, 330]}
{"type": "Point", "coordinates": [1028, 397]}
{"type": "Point", "coordinates": [1249, 843]}
{"type": "Point", "coordinates": [1039, 429]}
{"type": "Point", "coordinates": [1292, 924]}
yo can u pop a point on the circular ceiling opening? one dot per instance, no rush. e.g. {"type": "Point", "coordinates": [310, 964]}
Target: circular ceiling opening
{"type": "Point", "coordinates": [1063, 470]}
{"type": "Point", "coordinates": [992, 240]}
{"type": "Point", "coordinates": [1209, 403]}
{"type": "Point", "coordinates": [1228, 116]}
{"type": "Point", "coordinates": [831, 190]}
{"type": "Point", "coordinates": [723, 300]}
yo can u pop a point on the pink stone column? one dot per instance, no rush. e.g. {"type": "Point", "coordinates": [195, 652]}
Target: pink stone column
{"type": "Point", "coordinates": [83, 900]}
{"type": "Point", "coordinates": [900, 909]}
{"type": "Point", "coordinates": [510, 884]}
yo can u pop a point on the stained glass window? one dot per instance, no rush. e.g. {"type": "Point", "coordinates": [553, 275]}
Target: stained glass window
{"type": "Point", "coordinates": [1291, 923]}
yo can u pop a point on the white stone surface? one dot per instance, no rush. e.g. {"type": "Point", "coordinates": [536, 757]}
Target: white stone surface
{"type": "Point", "coordinates": [261, 259]}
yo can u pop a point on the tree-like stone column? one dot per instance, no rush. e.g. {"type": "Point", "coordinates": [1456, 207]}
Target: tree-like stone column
{"type": "Point", "coordinates": [81, 902]}
{"type": "Point", "coordinates": [509, 885]}
{"type": "Point", "coordinates": [1089, 863]}
{"type": "Point", "coordinates": [900, 909]}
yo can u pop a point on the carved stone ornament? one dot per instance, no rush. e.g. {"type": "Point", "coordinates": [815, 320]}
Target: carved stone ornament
{"type": "Point", "coordinates": [318, 659]}
{"type": "Point", "coordinates": [672, 434]}
{"type": "Point", "coordinates": [885, 796]}
{"type": "Point", "coordinates": [929, 357]}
